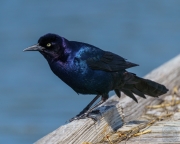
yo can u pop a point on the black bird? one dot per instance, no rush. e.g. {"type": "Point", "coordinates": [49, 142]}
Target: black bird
{"type": "Point", "coordinates": [90, 70]}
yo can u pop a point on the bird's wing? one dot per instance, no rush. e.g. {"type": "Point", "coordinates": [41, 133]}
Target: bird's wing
{"type": "Point", "coordinates": [109, 62]}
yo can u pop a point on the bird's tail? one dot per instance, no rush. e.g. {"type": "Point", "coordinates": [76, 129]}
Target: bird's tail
{"type": "Point", "coordinates": [141, 87]}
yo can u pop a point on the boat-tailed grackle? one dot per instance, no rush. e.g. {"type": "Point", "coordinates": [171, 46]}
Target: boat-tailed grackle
{"type": "Point", "coordinates": [90, 70]}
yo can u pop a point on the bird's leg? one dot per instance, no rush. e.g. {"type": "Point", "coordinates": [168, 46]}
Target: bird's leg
{"type": "Point", "coordinates": [95, 106]}
{"type": "Point", "coordinates": [92, 112]}
{"type": "Point", "coordinates": [85, 112]}
{"type": "Point", "coordinates": [85, 109]}
{"type": "Point", "coordinates": [88, 106]}
{"type": "Point", "coordinates": [103, 99]}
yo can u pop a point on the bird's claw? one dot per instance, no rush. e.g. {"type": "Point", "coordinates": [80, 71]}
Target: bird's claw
{"type": "Point", "coordinates": [93, 115]}
{"type": "Point", "coordinates": [82, 116]}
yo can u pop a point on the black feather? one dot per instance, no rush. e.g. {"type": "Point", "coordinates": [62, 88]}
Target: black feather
{"type": "Point", "coordinates": [137, 92]}
{"type": "Point", "coordinates": [117, 93]}
{"type": "Point", "coordinates": [109, 62]}
{"type": "Point", "coordinates": [130, 94]}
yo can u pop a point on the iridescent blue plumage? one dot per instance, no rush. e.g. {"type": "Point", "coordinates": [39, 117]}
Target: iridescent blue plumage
{"type": "Point", "coordinates": [90, 70]}
{"type": "Point", "coordinates": [78, 75]}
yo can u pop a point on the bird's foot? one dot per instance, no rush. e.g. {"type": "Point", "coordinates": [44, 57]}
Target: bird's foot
{"type": "Point", "coordinates": [89, 114]}
{"type": "Point", "coordinates": [92, 113]}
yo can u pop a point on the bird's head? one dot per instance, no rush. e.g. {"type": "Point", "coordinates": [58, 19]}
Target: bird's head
{"type": "Point", "coordinates": [51, 46]}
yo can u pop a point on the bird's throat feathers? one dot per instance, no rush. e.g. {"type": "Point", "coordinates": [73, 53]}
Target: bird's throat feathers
{"type": "Point", "coordinates": [59, 50]}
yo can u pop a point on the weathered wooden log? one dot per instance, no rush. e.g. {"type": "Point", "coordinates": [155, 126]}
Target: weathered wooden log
{"type": "Point", "coordinates": [114, 112]}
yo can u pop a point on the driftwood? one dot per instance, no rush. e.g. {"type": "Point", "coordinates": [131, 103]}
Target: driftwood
{"type": "Point", "coordinates": [159, 124]}
{"type": "Point", "coordinates": [115, 112]}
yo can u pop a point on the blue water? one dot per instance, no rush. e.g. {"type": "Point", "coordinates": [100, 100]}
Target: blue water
{"type": "Point", "coordinates": [33, 101]}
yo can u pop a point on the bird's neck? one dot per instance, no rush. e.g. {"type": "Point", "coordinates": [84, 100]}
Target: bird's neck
{"type": "Point", "coordinates": [56, 57]}
{"type": "Point", "coordinates": [61, 54]}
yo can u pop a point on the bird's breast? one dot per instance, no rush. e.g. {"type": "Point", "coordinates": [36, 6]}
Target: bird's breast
{"type": "Point", "coordinates": [81, 78]}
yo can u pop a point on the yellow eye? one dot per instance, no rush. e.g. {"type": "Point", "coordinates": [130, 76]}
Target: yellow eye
{"type": "Point", "coordinates": [48, 44]}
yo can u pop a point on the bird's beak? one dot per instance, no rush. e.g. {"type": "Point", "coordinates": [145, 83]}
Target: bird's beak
{"type": "Point", "coordinates": [36, 47]}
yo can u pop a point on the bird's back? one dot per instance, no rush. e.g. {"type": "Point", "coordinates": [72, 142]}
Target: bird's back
{"type": "Point", "coordinates": [77, 73]}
